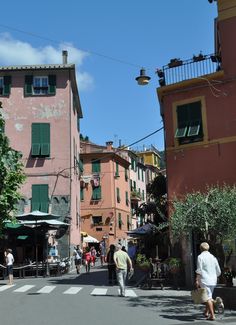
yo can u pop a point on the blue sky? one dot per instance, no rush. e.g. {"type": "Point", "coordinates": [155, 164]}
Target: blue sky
{"type": "Point", "coordinates": [109, 41]}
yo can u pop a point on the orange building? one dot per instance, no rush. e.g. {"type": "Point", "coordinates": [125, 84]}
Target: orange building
{"type": "Point", "coordinates": [198, 99]}
{"type": "Point", "coordinates": [105, 193]}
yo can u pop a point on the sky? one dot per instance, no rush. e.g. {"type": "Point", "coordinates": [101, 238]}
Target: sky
{"type": "Point", "coordinates": [109, 42]}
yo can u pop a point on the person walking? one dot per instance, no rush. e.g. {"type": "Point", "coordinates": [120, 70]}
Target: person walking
{"type": "Point", "coordinates": [93, 255]}
{"type": "Point", "coordinates": [78, 258]}
{"type": "Point", "coordinates": [111, 265]}
{"type": "Point", "coordinates": [122, 261]}
{"type": "Point", "coordinates": [87, 259]}
{"type": "Point", "coordinates": [208, 270]}
{"type": "Point", "coordinates": [9, 263]}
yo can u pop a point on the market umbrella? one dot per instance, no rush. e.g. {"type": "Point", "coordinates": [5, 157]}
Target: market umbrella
{"type": "Point", "coordinates": [36, 216]}
{"type": "Point", "coordinates": [90, 239]}
{"type": "Point", "coordinates": [143, 230]}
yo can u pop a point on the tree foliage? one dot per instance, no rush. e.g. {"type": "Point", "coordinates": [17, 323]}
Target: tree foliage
{"type": "Point", "coordinates": [11, 175]}
{"type": "Point", "coordinates": [156, 207]}
{"type": "Point", "coordinates": [211, 213]}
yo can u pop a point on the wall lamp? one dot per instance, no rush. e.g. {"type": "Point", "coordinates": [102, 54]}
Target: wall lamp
{"type": "Point", "coordinates": [142, 79]}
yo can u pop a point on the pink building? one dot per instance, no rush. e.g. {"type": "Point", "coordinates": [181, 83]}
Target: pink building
{"type": "Point", "coordinates": [105, 193]}
{"type": "Point", "coordinates": [41, 107]}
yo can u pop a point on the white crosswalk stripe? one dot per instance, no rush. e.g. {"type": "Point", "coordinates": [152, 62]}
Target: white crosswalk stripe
{"type": "Point", "coordinates": [130, 293]}
{"type": "Point", "coordinates": [24, 288]}
{"type": "Point", "coordinates": [72, 291]}
{"type": "Point", "coordinates": [99, 292]}
{"type": "Point", "coordinates": [5, 287]}
{"type": "Point", "coordinates": [46, 289]}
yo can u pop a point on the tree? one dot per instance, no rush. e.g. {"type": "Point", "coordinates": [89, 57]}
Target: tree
{"type": "Point", "coordinates": [212, 214]}
{"type": "Point", "coordinates": [11, 175]}
{"type": "Point", "coordinates": [157, 205]}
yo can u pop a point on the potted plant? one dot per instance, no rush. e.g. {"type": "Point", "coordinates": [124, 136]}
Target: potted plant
{"type": "Point", "coordinates": [175, 63]}
{"type": "Point", "coordinates": [142, 262]}
{"type": "Point", "coordinates": [228, 276]}
{"type": "Point", "coordinates": [174, 264]}
{"type": "Point", "coordinates": [199, 57]}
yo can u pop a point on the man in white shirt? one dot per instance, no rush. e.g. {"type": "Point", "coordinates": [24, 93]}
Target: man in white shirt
{"type": "Point", "coordinates": [208, 270]}
{"type": "Point", "coordinates": [122, 261]}
{"type": "Point", "coordinates": [9, 262]}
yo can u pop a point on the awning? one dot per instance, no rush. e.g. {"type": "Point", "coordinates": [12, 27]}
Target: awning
{"type": "Point", "coordinates": [143, 230]}
{"type": "Point", "coordinates": [90, 239]}
{"type": "Point", "coordinates": [83, 233]}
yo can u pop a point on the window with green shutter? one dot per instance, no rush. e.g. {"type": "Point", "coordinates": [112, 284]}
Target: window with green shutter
{"type": "Point", "coordinates": [117, 170]}
{"type": "Point", "coordinates": [189, 123]}
{"type": "Point", "coordinates": [81, 193]}
{"type": "Point", "coordinates": [40, 200]}
{"type": "Point", "coordinates": [5, 85]}
{"type": "Point", "coordinates": [118, 195]}
{"type": "Point", "coordinates": [97, 193]}
{"type": "Point", "coordinates": [40, 140]}
{"type": "Point", "coordinates": [126, 175]}
{"type": "Point", "coordinates": [119, 220]}
{"type": "Point", "coordinates": [96, 166]}
{"type": "Point", "coordinates": [127, 198]}
{"type": "Point", "coordinates": [40, 85]}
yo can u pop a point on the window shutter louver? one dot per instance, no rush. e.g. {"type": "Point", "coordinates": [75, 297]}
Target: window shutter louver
{"type": "Point", "coordinates": [51, 84]}
{"type": "Point", "coordinates": [44, 198]}
{"type": "Point", "coordinates": [35, 201]}
{"type": "Point", "coordinates": [28, 85]}
{"type": "Point", "coordinates": [35, 149]}
{"type": "Point", "coordinates": [7, 85]}
{"type": "Point", "coordinates": [45, 139]}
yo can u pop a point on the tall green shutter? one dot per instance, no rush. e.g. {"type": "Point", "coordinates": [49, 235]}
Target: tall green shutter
{"type": "Point", "coordinates": [35, 149]}
{"type": "Point", "coordinates": [7, 85]}
{"type": "Point", "coordinates": [28, 85]}
{"type": "Point", "coordinates": [96, 168]}
{"type": "Point", "coordinates": [40, 198]}
{"type": "Point", "coordinates": [35, 201]}
{"type": "Point", "coordinates": [51, 84]}
{"type": "Point", "coordinates": [96, 193]}
{"type": "Point", "coordinates": [44, 198]}
{"type": "Point", "coordinates": [45, 139]}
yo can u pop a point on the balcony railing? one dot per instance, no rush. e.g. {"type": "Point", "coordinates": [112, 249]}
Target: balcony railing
{"type": "Point", "coordinates": [178, 70]}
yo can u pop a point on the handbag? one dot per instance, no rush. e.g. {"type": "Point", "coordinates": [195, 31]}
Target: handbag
{"type": "Point", "coordinates": [199, 295]}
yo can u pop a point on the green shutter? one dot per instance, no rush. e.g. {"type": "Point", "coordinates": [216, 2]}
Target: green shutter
{"type": "Point", "coordinates": [81, 193]}
{"type": "Point", "coordinates": [7, 85]}
{"type": "Point", "coordinates": [126, 174]}
{"type": "Point", "coordinates": [35, 201]}
{"type": "Point", "coordinates": [127, 198]}
{"type": "Point", "coordinates": [193, 130]}
{"type": "Point", "coordinates": [45, 139]}
{"type": "Point", "coordinates": [28, 85]}
{"type": "Point", "coordinates": [97, 193]}
{"type": "Point", "coordinates": [51, 84]}
{"type": "Point", "coordinates": [44, 198]}
{"type": "Point", "coordinates": [117, 170]}
{"type": "Point", "coordinates": [181, 132]}
{"type": "Point", "coordinates": [96, 168]}
{"type": "Point", "coordinates": [118, 194]}
{"type": "Point", "coordinates": [35, 139]}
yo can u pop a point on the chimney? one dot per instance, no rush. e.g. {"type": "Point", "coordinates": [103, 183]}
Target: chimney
{"type": "Point", "coordinates": [64, 57]}
{"type": "Point", "coordinates": [109, 145]}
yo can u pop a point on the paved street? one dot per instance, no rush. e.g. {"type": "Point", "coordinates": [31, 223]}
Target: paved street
{"type": "Point", "coordinates": [87, 299]}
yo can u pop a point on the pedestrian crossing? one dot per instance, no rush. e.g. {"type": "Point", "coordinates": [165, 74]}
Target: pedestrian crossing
{"type": "Point", "coordinates": [72, 290]}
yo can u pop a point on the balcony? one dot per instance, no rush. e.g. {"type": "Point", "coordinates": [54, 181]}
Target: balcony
{"type": "Point", "coordinates": [177, 70]}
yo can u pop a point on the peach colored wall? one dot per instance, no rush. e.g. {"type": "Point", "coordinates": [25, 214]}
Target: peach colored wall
{"type": "Point", "coordinates": [107, 206]}
{"type": "Point", "coordinates": [20, 112]}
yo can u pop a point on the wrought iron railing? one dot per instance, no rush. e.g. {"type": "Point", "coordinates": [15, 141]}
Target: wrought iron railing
{"type": "Point", "coordinates": [178, 70]}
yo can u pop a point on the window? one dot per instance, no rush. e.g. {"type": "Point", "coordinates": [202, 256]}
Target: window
{"type": "Point", "coordinates": [5, 85]}
{"type": "Point", "coordinates": [40, 85]}
{"type": "Point", "coordinates": [40, 199]}
{"type": "Point", "coordinates": [118, 194]}
{"type": "Point", "coordinates": [97, 220]}
{"type": "Point", "coordinates": [189, 123]}
{"type": "Point", "coordinates": [127, 198]}
{"type": "Point", "coordinates": [40, 139]}
{"type": "Point", "coordinates": [117, 170]}
{"type": "Point", "coordinates": [82, 193]}
{"type": "Point", "coordinates": [96, 166]}
{"type": "Point", "coordinates": [126, 175]}
{"type": "Point", "coordinates": [120, 221]}
{"type": "Point", "coordinates": [96, 195]}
